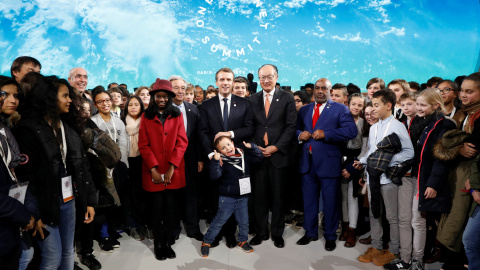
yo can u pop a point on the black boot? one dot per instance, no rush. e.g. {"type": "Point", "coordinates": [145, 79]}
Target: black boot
{"type": "Point", "coordinates": [169, 253]}
{"type": "Point", "coordinates": [159, 251]}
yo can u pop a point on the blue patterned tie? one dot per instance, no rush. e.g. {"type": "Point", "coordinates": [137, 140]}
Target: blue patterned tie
{"type": "Point", "coordinates": [225, 114]}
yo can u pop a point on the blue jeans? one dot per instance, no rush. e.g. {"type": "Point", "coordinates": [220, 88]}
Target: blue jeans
{"type": "Point", "coordinates": [27, 255]}
{"type": "Point", "coordinates": [471, 240]}
{"type": "Point", "coordinates": [226, 207]}
{"type": "Point", "coordinates": [57, 248]}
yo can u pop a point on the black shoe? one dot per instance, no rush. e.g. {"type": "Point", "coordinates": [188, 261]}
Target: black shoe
{"type": "Point", "coordinates": [216, 242]}
{"type": "Point", "coordinates": [305, 240]}
{"type": "Point", "coordinates": [197, 236]}
{"type": "Point", "coordinates": [278, 241]}
{"type": "Point", "coordinates": [231, 241]}
{"type": "Point", "coordinates": [169, 253]}
{"type": "Point", "coordinates": [106, 245]}
{"type": "Point", "coordinates": [90, 261]}
{"type": "Point", "coordinates": [257, 240]}
{"type": "Point", "coordinates": [159, 253]}
{"type": "Point", "coordinates": [330, 245]}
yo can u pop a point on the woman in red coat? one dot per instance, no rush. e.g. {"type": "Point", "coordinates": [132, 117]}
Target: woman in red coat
{"type": "Point", "coordinates": [162, 142]}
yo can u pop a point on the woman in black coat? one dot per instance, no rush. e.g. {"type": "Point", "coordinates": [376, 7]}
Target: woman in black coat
{"type": "Point", "coordinates": [55, 164]}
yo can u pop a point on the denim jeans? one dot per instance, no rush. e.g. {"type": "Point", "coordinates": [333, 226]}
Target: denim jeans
{"type": "Point", "coordinates": [471, 239]}
{"type": "Point", "coordinates": [57, 248]}
{"type": "Point", "coordinates": [226, 207]}
{"type": "Point", "coordinates": [27, 255]}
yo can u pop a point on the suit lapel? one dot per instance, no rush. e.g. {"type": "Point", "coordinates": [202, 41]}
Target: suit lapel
{"type": "Point", "coordinates": [189, 118]}
{"type": "Point", "coordinates": [233, 110]}
{"type": "Point", "coordinates": [216, 104]}
{"type": "Point", "coordinates": [273, 104]}
{"type": "Point", "coordinates": [325, 113]}
{"type": "Point", "coordinates": [309, 117]}
{"type": "Point", "coordinates": [261, 106]}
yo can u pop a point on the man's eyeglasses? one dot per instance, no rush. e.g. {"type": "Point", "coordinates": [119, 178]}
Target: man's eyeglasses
{"type": "Point", "coordinates": [102, 101]}
{"type": "Point", "coordinates": [445, 90]}
{"type": "Point", "coordinates": [269, 77]}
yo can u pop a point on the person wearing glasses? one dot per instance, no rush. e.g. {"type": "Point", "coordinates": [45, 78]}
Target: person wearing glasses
{"type": "Point", "coordinates": [116, 130]}
{"type": "Point", "coordinates": [274, 118]}
{"type": "Point", "coordinates": [449, 91]}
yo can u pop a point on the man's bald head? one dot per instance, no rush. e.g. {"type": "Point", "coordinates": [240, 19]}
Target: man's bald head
{"type": "Point", "coordinates": [78, 78]}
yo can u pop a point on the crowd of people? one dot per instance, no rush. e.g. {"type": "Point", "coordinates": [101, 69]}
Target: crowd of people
{"type": "Point", "coordinates": [398, 165]}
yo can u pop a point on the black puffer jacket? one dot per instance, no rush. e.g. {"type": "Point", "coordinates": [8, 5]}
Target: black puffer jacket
{"type": "Point", "coordinates": [42, 167]}
{"type": "Point", "coordinates": [433, 172]}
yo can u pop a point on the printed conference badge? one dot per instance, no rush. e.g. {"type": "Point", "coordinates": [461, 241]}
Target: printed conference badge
{"type": "Point", "coordinates": [18, 191]}
{"type": "Point", "coordinates": [67, 188]}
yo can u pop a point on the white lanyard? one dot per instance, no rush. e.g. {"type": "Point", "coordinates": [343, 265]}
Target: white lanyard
{"type": "Point", "coordinates": [114, 137]}
{"type": "Point", "coordinates": [453, 111]}
{"type": "Point", "coordinates": [63, 148]}
{"type": "Point", "coordinates": [386, 130]}
{"type": "Point", "coordinates": [243, 162]}
{"type": "Point", "coordinates": [7, 161]}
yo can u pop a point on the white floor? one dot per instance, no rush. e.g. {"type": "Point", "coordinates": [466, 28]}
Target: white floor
{"type": "Point", "coordinates": [139, 255]}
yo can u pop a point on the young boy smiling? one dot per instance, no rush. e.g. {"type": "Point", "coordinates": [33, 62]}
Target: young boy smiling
{"type": "Point", "coordinates": [383, 102]}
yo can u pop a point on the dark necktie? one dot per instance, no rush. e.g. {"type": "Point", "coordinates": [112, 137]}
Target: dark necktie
{"type": "Point", "coordinates": [225, 114]}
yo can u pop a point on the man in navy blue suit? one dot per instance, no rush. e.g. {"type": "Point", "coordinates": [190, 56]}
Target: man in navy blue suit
{"type": "Point", "coordinates": [322, 127]}
{"type": "Point", "coordinates": [225, 115]}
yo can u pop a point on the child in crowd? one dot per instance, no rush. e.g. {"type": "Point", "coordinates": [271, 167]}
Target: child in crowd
{"type": "Point", "coordinates": [383, 102]}
{"type": "Point", "coordinates": [144, 93]}
{"type": "Point", "coordinates": [339, 93]}
{"type": "Point", "coordinates": [409, 108]}
{"type": "Point", "coordinates": [231, 167]}
{"type": "Point", "coordinates": [240, 87]}
{"type": "Point", "coordinates": [399, 87]}
{"type": "Point", "coordinates": [373, 86]}
{"type": "Point", "coordinates": [135, 194]}
{"type": "Point", "coordinates": [350, 187]}
{"type": "Point", "coordinates": [190, 93]}
{"type": "Point", "coordinates": [211, 93]}
{"type": "Point", "coordinates": [106, 121]}
{"type": "Point", "coordinates": [116, 96]}
{"type": "Point", "coordinates": [428, 189]}
{"type": "Point", "coordinates": [449, 90]}
{"type": "Point", "coordinates": [452, 225]}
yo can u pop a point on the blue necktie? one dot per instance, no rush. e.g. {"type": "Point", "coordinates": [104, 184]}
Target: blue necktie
{"type": "Point", "coordinates": [225, 114]}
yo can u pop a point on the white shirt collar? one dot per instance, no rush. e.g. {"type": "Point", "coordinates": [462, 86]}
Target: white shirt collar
{"type": "Point", "coordinates": [229, 97]}
{"type": "Point", "coordinates": [271, 93]}
{"type": "Point", "coordinates": [385, 120]}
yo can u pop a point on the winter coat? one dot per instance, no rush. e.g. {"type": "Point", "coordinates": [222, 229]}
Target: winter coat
{"type": "Point", "coordinates": [121, 136]}
{"type": "Point", "coordinates": [42, 166]}
{"type": "Point", "coordinates": [161, 145]}
{"type": "Point", "coordinates": [452, 224]}
{"type": "Point", "coordinates": [228, 175]}
{"type": "Point", "coordinates": [433, 172]}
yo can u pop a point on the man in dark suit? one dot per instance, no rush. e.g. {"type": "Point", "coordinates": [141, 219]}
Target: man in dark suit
{"type": "Point", "coordinates": [274, 116]}
{"type": "Point", "coordinates": [193, 159]}
{"type": "Point", "coordinates": [252, 86]}
{"type": "Point", "coordinates": [225, 115]}
{"type": "Point", "coordinates": [322, 127]}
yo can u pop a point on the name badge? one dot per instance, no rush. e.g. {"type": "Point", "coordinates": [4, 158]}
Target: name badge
{"type": "Point", "coordinates": [245, 187]}
{"type": "Point", "coordinates": [18, 192]}
{"type": "Point", "coordinates": [67, 188]}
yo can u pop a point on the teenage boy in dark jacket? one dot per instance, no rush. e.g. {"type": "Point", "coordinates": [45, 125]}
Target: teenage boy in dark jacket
{"type": "Point", "coordinates": [230, 166]}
